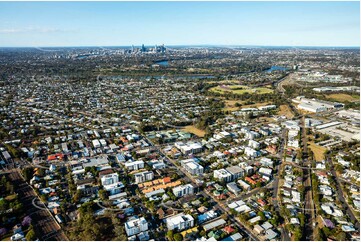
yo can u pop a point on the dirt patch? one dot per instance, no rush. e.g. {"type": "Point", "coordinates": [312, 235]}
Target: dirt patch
{"type": "Point", "coordinates": [192, 129]}
{"type": "Point", "coordinates": [341, 97]}
{"type": "Point", "coordinates": [285, 110]}
{"type": "Point", "coordinates": [318, 151]}
{"type": "Point", "coordinates": [230, 105]}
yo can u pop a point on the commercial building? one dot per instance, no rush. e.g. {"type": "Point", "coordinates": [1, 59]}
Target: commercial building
{"type": "Point", "coordinates": [315, 106]}
{"type": "Point", "coordinates": [189, 148]}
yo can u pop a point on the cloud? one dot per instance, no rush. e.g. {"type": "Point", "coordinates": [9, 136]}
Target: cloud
{"type": "Point", "coordinates": [33, 30]}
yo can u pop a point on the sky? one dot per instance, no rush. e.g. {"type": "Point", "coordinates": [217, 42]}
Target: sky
{"type": "Point", "coordinates": [42, 24]}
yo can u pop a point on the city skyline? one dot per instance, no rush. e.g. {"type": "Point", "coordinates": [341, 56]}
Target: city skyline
{"type": "Point", "coordinates": [66, 24]}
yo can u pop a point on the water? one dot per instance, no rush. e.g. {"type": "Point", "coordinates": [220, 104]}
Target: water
{"type": "Point", "coordinates": [276, 68]}
{"type": "Point", "coordinates": [162, 63]}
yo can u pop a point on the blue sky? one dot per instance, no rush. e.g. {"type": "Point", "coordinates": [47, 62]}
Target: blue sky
{"type": "Point", "coordinates": [179, 23]}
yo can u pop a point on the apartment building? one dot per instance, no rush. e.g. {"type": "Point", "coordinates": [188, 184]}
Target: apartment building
{"type": "Point", "coordinates": [222, 175]}
{"type": "Point", "coordinates": [183, 190]}
{"type": "Point", "coordinates": [143, 176]}
{"type": "Point", "coordinates": [180, 222]}
{"type": "Point", "coordinates": [134, 165]}
{"type": "Point", "coordinates": [135, 226]}
{"type": "Point", "coordinates": [192, 167]}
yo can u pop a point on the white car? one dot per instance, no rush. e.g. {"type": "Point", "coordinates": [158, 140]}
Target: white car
{"type": "Point", "coordinates": [17, 237]}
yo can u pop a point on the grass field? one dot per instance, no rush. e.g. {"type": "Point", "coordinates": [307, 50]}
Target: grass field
{"type": "Point", "coordinates": [240, 89]}
{"type": "Point", "coordinates": [192, 129]}
{"type": "Point", "coordinates": [318, 151]}
{"type": "Point", "coordinates": [341, 97]}
{"type": "Point", "coordinates": [286, 111]}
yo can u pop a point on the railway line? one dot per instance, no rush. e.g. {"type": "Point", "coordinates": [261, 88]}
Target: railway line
{"type": "Point", "coordinates": [45, 226]}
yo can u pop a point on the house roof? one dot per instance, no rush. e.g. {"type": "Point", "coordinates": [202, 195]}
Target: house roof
{"type": "Point", "coordinates": [166, 180]}
{"type": "Point", "coordinates": [229, 229]}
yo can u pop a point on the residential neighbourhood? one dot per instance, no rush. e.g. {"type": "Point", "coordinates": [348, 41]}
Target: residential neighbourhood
{"type": "Point", "coordinates": [158, 142]}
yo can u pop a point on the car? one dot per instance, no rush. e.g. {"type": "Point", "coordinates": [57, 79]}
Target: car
{"type": "Point", "coordinates": [17, 237]}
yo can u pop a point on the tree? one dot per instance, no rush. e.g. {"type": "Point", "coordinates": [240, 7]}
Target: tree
{"type": "Point", "coordinates": [261, 214]}
{"type": "Point", "coordinates": [103, 195]}
{"type": "Point", "coordinates": [3, 231]}
{"type": "Point", "coordinates": [4, 204]}
{"type": "Point", "coordinates": [170, 234]}
{"type": "Point", "coordinates": [302, 218]}
{"type": "Point", "coordinates": [3, 181]}
{"type": "Point", "coordinates": [297, 234]}
{"type": "Point", "coordinates": [28, 173]}
{"type": "Point", "coordinates": [341, 236]}
{"type": "Point", "coordinates": [26, 221]}
{"type": "Point", "coordinates": [30, 236]}
{"type": "Point", "coordinates": [178, 237]}
{"type": "Point", "coordinates": [77, 196]}
{"type": "Point", "coordinates": [319, 235]}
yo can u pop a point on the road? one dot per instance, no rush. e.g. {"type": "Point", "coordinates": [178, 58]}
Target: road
{"type": "Point", "coordinates": [341, 197]}
{"type": "Point", "coordinates": [45, 225]}
{"type": "Point", "coordinates": [221, 205]}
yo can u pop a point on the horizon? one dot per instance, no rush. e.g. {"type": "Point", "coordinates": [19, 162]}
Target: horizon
{"type": "Point", "coordinates": [88, 24]}
{"type": "Point", "coordinates": [183, 45]}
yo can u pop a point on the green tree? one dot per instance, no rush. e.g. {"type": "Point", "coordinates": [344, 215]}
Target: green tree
{"type": "Point", "coordinates": [103, 195]}
{"type": "Point", "coordinates": [178, 237]}
{"type": "Point", "coordinates": [28, 173]}
{"type": "Point", "coordinates": [298, 234]}
{"type": "Point", "coordinates": [341, 236]}
{"type": "Point", "coordinates": [30, 235]}
{"type": "Point", "coordinates": [77, 196]}
{"type": "Point", "coordinates": [3, 205]}
{"type": "Point", "coordinates": [170, 234]}
{"type": "Point", "coordinates": [261, 214]}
